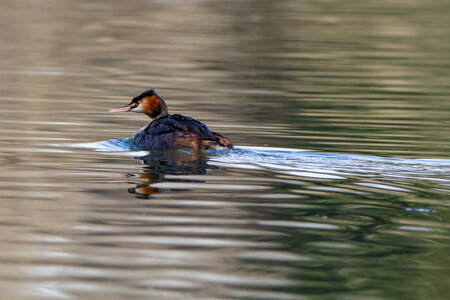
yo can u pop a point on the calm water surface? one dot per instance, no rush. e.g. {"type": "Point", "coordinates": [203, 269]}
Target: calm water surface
{"type": "Point", "coordinates": [338, 187]}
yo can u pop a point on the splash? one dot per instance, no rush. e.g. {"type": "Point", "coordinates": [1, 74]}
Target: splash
{"type": "Point", "coordinates": [305, 163]}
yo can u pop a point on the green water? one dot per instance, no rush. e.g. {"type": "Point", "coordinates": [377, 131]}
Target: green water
{"type": "Point", "coordinates": [338, 187]}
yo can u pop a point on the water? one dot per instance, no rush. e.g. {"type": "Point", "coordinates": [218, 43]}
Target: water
{"type": "Point", "coordinates": [338, 187]}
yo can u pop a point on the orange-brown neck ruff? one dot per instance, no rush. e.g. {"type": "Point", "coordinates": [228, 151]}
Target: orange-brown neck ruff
{"type": "Point", "coordinates": [154, 107]}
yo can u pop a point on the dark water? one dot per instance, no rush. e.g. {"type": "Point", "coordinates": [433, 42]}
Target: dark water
{"type": "Point", "coordinates": [338, 187]}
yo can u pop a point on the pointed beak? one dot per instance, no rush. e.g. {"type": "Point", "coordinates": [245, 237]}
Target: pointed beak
{"type": "Point", "coordinates": [121, 109]}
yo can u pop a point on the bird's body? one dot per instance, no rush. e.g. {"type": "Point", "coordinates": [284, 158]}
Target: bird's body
{"type": "Point", "coordinates": [171, 131]}
{"type": "Point", "coordinates": [177, 132]}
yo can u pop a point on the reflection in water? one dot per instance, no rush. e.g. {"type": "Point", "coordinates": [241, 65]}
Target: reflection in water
{"type": "Point", "coordinates": [160, 164]}
{"type": "Point", "coordinates": [363, 85]}
{"type": "Point", "coordinates": [310, 217]}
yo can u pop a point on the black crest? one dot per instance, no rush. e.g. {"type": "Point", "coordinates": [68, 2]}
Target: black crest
{"type": "Point", "coordinates": [147, 93]}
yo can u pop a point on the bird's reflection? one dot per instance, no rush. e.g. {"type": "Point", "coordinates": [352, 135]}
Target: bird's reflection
{"type": "Point", "coordinates": [158, 165]}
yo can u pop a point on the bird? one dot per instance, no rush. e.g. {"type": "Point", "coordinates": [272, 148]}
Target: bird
{"type": "Point", "coordinates": [170, 131]}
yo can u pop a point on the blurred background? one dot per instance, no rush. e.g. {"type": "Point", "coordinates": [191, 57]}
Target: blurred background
{"type": "Point", "coordinates": [345, 76]}
{"type": "Point", "coordinates": [340, 77]}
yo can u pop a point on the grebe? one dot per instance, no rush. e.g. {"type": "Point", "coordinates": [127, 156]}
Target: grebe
{"type": "Point", "coordinates": [168, 132]}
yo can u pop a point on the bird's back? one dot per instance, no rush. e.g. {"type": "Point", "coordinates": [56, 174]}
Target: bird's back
{"type": "Point", "coordinates": [178, 132]}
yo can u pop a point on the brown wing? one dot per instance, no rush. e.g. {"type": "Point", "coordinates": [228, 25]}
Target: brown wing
{"type": "Point", "coordinates": [223, 140]}
{"type": "Point", "coordinates": [177, 132]}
